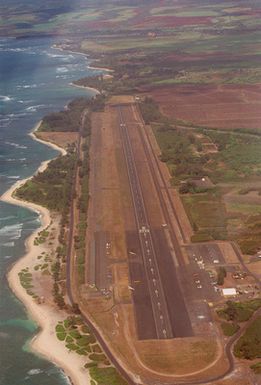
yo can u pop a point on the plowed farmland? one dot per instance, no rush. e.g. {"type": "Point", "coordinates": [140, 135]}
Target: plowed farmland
{"type": "Point", "coordinates": [215, 106]}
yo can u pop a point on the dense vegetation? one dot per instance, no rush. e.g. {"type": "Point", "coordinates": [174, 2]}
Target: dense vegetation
{"type": "Point", "coordinates": [238, 156]}
{"type": "Point", "coordinates": [236, 159]}
{"type": "Point", "coordinates": [79, 338]}
{"type": "Point", "coordinates": [66, 120]}
{"type": "Point", "coordinates": [52, 187]}
{"type": "Point", "coordinates": [221, 275]}
{"type": "Point", "coordinates": [107, 376]}
{"type": "Point", "coordinates": [229, 329]}
{"type": "Point", "coordinates": [239, 311]}
{"type": "Point", "coordinates": [83, 199]}
{"type": "Point", "coordinates": [191, 43]}
{"type": "Point", "coordinates": [249, 345]}
{"type": "Point", "coordinates": [150, 111]}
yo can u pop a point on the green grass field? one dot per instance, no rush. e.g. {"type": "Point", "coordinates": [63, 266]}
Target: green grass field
{"type": "Point", "coordinates": [237, 161]}
{"type": "Point", "coordinates": [207, 213]}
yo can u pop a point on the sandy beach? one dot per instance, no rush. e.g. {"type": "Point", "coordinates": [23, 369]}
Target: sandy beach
{"type": "Point", "coordinates": [46, 315]}
{"type": "Point", "coordinates": [100, 68]}
{"type": "Point", "coordinates": [59, 48]}
{"type": "Point", "coordinates": [86, 88]}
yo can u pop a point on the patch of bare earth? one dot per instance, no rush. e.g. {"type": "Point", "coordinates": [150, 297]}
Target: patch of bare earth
{"type": "Point", "coordinates": [217, 106]}
{"type": "Point", "coordinates": [61, 139]}
{"type": "Point", "coordinates": [228, 252]}
{"type": "Point", "coordinates": [176, 356]}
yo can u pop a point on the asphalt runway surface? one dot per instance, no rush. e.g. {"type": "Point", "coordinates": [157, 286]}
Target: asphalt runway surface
{"type": "Point", "coordinates": [154, 282]}
{"type": "Point", "coordinates": [101, 260]}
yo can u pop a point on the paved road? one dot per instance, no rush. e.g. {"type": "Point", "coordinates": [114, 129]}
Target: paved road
{"type": "Point", "coordinates": [158, 301]}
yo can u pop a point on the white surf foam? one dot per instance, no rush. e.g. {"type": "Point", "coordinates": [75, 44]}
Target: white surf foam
{"type": "Point", "coordinates": [16, 145]}
{"type": "Point", "coordinates": [15, 160]}
{"type": "Point", "coordinates": [25, 86]}
{"type": "Point", "coordinates": [33, 372]}
{"type": "Point", "coordinates": [9, 244]}
{"type": "Point", "coordinates": [13, 177]}
{"type": "Point", "coordinates": [62, 76]}
{"type": "Point", "coordinates": [63, 57]}
{"type": "Point", "coordinates": [5, 98]}
{"type": "Point", "coordinates": [6, 218]}
{"type": "Point", "coordinates": [61, 69]}
{"type": "Point", "coordinates": [13, 232]}
{"type": "Point", "coordinates": [34, 108]}
{"type": "Point", "coordinates": [16, 116]}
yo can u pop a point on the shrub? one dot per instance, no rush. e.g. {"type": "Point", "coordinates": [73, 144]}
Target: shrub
{"type": "Point", "coordinates": [90, 365]}
{"type": "Point", "coordinates": [239, 311]}
{"type": "Point", "coordinates": [221, 274]}
{"type": "Point", "coordinates": [97, 357]}
{"type": "Point", "coordinates": [256, 368]}
{"type": "Point", "coordinates": [229, 328]}
{"type": "Point", "coordinates": [61, 336]}
{"type": "Point", "coordinates": [107, 376]}
{"type": "Point", "coordinates": [249, 345]}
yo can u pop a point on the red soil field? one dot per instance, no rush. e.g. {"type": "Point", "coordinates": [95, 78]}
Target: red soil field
{"type": "Point", "coordinates": [174, 21]}
{"type": "Point", "coordinates": [217, 106]}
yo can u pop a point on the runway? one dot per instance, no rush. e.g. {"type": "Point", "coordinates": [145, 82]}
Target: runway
{"type": "Point", "coordinates": [159, 305]}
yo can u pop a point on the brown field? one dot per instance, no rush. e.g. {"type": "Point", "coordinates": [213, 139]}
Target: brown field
{"type": "Point", "coordinates": [228, 252]}
{"type": "Point", "coordinates": [175, 356]}
{"type": "Point", "coordinates": [61, 139]}
{"type": "Point", "coordinates": [222, 106]}
{"type": "Point", "coordinates": [172, 21]}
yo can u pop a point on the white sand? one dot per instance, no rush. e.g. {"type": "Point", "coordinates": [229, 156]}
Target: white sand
{"type": "Point", "coordinates": [86, 88]}
{"type": "Point", "coordinates": [47, 316]}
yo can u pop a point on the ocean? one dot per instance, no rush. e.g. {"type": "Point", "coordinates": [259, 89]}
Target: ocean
{"type": "Point", "coordinates": [34, 80]}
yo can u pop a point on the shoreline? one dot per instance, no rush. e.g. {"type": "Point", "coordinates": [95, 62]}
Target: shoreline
{"type": "Point", "coordinates": [84, 54]}
{"type": "Point", "coordinates": [100, 68]}
{"type": "Point", "coordinates": [44, 343]}
{"type": "Point", "coordinates": [85, 87]}
{"type": "Point", "coordinates": [49, 144]}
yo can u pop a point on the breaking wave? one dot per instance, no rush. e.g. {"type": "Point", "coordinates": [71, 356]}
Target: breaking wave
{"type": "Point", "coordinates": [13, 232]}
{"type": "Point", "coordinates": [33, 372]}
{"type": "Point", "coordinates": [62, 69]}
{"type": "Point", "coordinates": [5, 98]}
{"type": "Point", "coordinates": [16, 145]}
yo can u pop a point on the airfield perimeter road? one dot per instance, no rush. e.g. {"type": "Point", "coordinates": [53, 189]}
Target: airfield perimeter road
{"type": "Point", "coordinates": [169, 311]}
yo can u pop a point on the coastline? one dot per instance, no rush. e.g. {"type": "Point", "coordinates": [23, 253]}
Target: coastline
{"type": "Point", "coordinates": [100, 68]}
{"type": "Point", "coordinates": [84, 54]}
{"type": "Point", "coordinates": [86, 88]}
{"type": "Point", "coordinates": [46, 315]}
{"type": "Point", "coordinates": [50, 144]}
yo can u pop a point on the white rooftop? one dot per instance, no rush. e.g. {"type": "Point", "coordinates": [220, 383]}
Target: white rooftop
{"type": "Point", "coordinates": [229, 291]}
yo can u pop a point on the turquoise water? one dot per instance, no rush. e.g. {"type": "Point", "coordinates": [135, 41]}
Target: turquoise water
{"type": "Point", "coordinates": [34, 80]}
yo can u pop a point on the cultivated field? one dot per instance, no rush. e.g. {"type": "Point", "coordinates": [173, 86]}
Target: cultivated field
{"type": "Point", "coordinates": [222, 106]}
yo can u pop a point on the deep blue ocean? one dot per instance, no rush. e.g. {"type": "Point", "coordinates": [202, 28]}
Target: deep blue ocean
{"type": "Point", "coordinates": [34, 80]}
